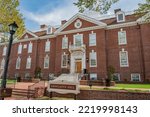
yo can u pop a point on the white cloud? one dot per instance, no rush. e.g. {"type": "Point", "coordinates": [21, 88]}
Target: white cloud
{"type": "Point", "coordinates": [54, 16]}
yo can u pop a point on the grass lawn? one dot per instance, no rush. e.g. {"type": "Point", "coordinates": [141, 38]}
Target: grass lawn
{"type": "Point", "coordinates": [9, 81]}
{"type": "Point", "coordinates": [140, 86]}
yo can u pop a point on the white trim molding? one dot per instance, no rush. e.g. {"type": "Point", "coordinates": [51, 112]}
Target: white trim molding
{"type": "Point", "coordinates": [81, 16]}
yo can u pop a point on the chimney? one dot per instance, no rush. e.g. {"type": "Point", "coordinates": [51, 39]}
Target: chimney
{"type": "Point", "coordinates": [43, 26]}
{"type": "Point", "coordinates": [63, 22]}
{"type": "Point", "coordinates": [117, 10]}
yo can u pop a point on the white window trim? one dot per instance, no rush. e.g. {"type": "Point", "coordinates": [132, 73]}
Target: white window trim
{"type": "Point", "coordinates": [119, 79]}
{"type": "Point", "coordinates": [45, 61]}
{"type": "Point", "coordinates": [20, 48]}
{"type": "Point", "coordinates": [2, 63]}
{"type": "Point", "coordinates": [65, 37]}
{"type": "Point", "coordinates": [47, 50]}
{"type": "Point", "coordinates": [75, 38]}
{"type": "Point", "coordinates": [136, 74]}
{"type": "Point", "coordinates": [62, 61]}
{"type": "Point", "coordinates": [127, 59]}
{"type": "Point", "coordinates": [90, 39]}
{"type": "Point", "coordinates": [28, 67]}
{"type": "Point", "coordinates": [50, 30]}
{"type": "Point", "coordinates": [125, 38]}
{"type": "Point", "coordinates": [118, 16]}
{"type": "Point", "coordinates": [30, 47]}
{"type": "Point", "coordinates": [4, 50]}
{"type": "Point", "coordinates": [93, 74]}
{"type": "Point", "coordinates": [90, 59]}
{"type": "Point", "coordinates": [17, 62]}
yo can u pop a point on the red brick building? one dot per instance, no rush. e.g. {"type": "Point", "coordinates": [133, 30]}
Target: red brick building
{"type": "Point", "coordinates": [84, 42]}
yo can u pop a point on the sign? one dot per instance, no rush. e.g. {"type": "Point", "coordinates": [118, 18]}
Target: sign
{"type": "Point", "coordinates": [5, 92]}
{"type": "Point", "coordinates": [63, 86]}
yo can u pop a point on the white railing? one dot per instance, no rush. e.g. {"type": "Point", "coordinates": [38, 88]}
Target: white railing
{"type": "Point", "coordinates": [76, 48]}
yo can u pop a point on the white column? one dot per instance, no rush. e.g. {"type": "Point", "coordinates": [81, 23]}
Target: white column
{"type": "Point", "coordinates": [84, 61]}
{"type": "Point", "coordinates": [72, 66]}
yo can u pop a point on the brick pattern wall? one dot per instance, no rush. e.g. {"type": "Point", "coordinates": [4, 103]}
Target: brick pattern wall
{"type": "Point", "coordinates": [105, 95]}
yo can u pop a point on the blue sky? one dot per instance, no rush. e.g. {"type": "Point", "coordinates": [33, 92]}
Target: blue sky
{"type": "Point", "coordinates": [51, 12]}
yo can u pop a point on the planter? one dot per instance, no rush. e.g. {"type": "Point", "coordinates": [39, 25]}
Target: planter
{"type": "Point", "coordinates": [5, 92]}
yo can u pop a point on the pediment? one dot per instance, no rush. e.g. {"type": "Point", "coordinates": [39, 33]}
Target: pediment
{"type": "Point", "coordinates": [80, 21]}
{"type": "Point", "coordinates": [28, 34]}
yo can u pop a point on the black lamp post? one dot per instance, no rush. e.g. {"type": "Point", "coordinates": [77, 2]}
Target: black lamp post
{"type": "Point", "coordinates": [12, 29]}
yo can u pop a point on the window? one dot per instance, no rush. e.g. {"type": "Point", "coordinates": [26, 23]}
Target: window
{"type": "Point", "coordinates": [27, 76]}
{"type": "Point", "coordinates": [20, 48]}
{"type": "Point", "coordinates": [4, 50]}
{"type": "Point", "coordinates": [2, 63]}
{"type": "Point", "coordinates": [124, 58]}
{"type": "Point", "coordinates": [47, 46]}
{"type": "Point", "coordinates": [26, 36]}
{"type": "Point", "coordinates": [120, 17]}
{"type": "Point", "coordinates": [93, 59]}
{"type": "Point", "coordinates": [49, 30]}
{"type": "Point", "coordinates": [135, 77]}
{"type": "Point", "coordinates": [28, 63]}
{"type": "Point", "coordinates": [116, 77]}
{"type": "Point", "coordinates": [46, 61]}
{"type": "Point", "coordinates": [93, 76]}
{"type": "Point", "coordinates": [64, 42]}
{"type": "Point", "coordinates": [92, 39]}
{"type": "Point", "coordinates": [122, 37]}
{"type": "Point", "coordinates": [18, 61]}
{"type": "Point", "coordinates": [78, 39]}
{"type": "Point", "coordinates": [64, 60]}
{"type": "Point", "coordinates": [30, 48]}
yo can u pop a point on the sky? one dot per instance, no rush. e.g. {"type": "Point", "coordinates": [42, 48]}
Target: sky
{"type": "Point", "coordinates": [51, 12]}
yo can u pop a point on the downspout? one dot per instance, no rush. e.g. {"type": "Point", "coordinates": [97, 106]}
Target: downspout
{"type": "Point", "coordinates": [142, 52]}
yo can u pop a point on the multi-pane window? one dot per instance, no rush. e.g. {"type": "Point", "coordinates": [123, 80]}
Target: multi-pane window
{"type": "Point", "coordinates": [135, 77]}
{"type": "Point", "coordinates": [65, 42]}
{"type": "Point", "coordinates": [30, 47]}
{"type": "Point", "coordinates": [2, 63]}
{"type": "Point", "coordinates": [64, 60]}
{"type": "Point", "coordinates": [93, 59]}
{"type": "Point", "coordinates": [120, 17]}
{"type": "Point", "coordinates": [46, 61]}
{"type": "Point", "coordinates": [122, 37]}
{"type": "Point", "coordinates": [20, 48]}
{"type": "Point", "coordinates": [18, 62]}
{"type": "Point", "coordinates": [28, 63]}
{"type": "Point", "coordinates": [78, 39]}
{"type": "Point", "coordinates": [4, 50]}
{"type": "Point", "coordinates": [93, 76]}
{"type": "Point", "coordinates": [49, 30]}
{"type": "Point", "coordinates": [116, 77]}
{"type": "Point", "coordinates": [124, 58]}
{"type": "Point", "coordinates": [47, 46]}
{"type": "Point", "coordinates": [92, 39]}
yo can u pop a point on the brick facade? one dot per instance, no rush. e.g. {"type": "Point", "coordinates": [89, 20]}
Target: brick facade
{"type": "Point", "coordinates": [107, 48]}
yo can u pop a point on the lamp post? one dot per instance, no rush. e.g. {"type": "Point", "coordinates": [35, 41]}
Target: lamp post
{"type": "Point", "coordinates": [12, 29]}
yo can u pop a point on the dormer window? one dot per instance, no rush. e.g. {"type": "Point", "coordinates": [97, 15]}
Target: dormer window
{"type": "Point", "coordinates": [120, 16]}
{"type": "Point", "coordinates": [49, 30]}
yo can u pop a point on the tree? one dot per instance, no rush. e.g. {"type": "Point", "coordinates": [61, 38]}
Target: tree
{"type": "Point", "coordinates": [110, 72]}
{"type": "Point", "coordinates": [101, 6]}
{"type": "Point", "coordinates": [9, 13]}
{"type": "Point", "coordinates": [144, 8]}
{"type": "Point", "coordinates": [37, 72]}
